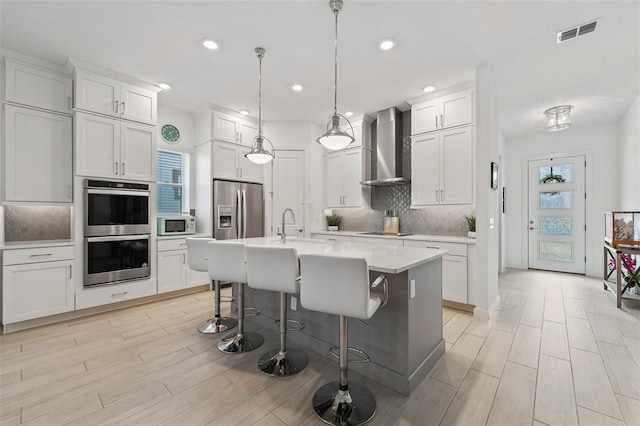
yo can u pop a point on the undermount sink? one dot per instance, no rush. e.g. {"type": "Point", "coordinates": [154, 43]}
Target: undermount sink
{"type": "Point", "coordinates": [399, 234]}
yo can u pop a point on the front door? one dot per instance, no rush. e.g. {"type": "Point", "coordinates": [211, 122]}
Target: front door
{"type": "Point", "coordinates": [556, 222]}
{"type": "Point", "coordinates": [288, 191]}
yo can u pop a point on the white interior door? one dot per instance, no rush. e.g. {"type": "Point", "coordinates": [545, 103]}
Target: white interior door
{"type": "Point", "coordinates": [556, 223]}
{"type": "Point", "coordinates": [288, 191]}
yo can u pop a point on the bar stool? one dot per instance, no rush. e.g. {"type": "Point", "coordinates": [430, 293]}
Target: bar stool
{"type": "Point", "coordinates": [340, 286]}
{"type": "Point", "coordinates": [227, 263]}
{"type": "Point", "coordinates": [199, 261]}
{"type": "Point", "coordinates": [276, 269]}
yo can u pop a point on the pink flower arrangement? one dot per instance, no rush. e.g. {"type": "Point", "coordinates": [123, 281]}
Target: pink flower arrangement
{"type": "Point", "coordinates": [628, 264]}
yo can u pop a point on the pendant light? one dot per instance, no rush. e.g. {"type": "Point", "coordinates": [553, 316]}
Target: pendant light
{"type": "Point", "coordinates": [336, 138]}
{"type": "Point", "coordinates": [259, 154]}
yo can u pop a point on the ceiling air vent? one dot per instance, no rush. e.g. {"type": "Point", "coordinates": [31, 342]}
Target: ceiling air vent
{"type": "Point", "coordinates": [570, 33]}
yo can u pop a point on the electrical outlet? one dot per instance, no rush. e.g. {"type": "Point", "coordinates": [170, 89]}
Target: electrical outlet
{"type": "Point", "coordinates": [413, 289]}
{"type": "Point", "coordinates": [294, 303]}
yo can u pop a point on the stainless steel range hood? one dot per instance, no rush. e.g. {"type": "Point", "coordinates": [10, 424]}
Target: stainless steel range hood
{"type": "Point", "coordinates": [388, 150]}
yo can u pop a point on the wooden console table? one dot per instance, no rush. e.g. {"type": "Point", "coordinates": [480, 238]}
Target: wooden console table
{"type": "Point", "coordinates": [619, 290]}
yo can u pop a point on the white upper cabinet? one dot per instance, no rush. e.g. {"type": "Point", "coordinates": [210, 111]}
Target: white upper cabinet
{"type": "Point", "coordinates": [37, 87]}
{"type": "Point", "coordinates": [229, 162]}
{"type": "Point", "coordinates": [217, 126]}
{"type": "Point", "coordinates": [38, 156]}
{"type": "Point", "coordinates": [442, 167]}
{"type": "Point", "coordinates": [441, 113]}
{"type": "Point", "coordinates": [108, 96]}
{"type": "Point", "coordinates": [110, 148]}
{"type": "Point", "coordinates": [343, 174]}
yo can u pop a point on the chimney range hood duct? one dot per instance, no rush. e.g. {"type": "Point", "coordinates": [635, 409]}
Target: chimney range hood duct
{"type": "Point", "coordinates": [388, 170]}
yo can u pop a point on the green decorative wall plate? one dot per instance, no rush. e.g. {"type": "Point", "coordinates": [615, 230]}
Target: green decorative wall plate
{"type": "Point", "coordinates": [170, 133]}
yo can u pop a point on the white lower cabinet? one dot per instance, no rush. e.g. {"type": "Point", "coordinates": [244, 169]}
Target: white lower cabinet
{"type": "Point", "coordinates": [173, 267]}
{"type": "Point", "coordinates": [454, 268]}
{"type": "Point", "coordinates": [37, 282]}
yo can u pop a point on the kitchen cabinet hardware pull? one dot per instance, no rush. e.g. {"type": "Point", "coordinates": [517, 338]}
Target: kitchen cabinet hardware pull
{"type": "Point", "coordinates": [70, 273]}
{"type": "Point", "coordinates": [115, 166]}
{"type": "Point", "coordinates": [40, 254]}
{"type": "Point", "coordinates": [122, 108]}
{"type": "Point", "coordinates": [441, 195]}
{"type": "Point", "coordinates": [184, 258]}
{"type": "Point", "coordinates": [437, 248]}
{"type": "Point", "coordinates": [442, 121]}
{"type": "Point", "coordinates": [69, 102]}
{"type": "Point", "coordinates": [117, 107]}
{"type": "Point", "coordinates": [122, 169]}
{"type": "Point", "coordinates": [119, 294]}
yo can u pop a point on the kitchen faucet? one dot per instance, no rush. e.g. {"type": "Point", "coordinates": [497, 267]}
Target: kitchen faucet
{"type": "Point", "coordinates": [283, 234]}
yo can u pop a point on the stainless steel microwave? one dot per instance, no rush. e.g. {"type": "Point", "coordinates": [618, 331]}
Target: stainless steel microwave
{"type": "Point", "coordinates": [176, 225]}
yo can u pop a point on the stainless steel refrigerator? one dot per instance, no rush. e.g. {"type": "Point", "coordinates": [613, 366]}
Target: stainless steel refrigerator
{"type": "Point", "coordinates": [238, 210]}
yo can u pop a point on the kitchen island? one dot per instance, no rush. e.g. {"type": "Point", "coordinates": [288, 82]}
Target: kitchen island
{"type": "Point", "coordinates": [403, 339]}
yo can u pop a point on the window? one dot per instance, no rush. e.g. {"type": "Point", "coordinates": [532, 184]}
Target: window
{"type": "Point", "coordinates": [173, 182]}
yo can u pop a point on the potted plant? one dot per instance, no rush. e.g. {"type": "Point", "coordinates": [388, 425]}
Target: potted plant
{"type": "Point", "coordinates": [333, 222]}
{"type": "Point", "coordinates": [471, 221]}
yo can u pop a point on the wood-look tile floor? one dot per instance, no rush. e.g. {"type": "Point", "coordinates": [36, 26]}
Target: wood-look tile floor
{"type": "Point", "coordinates": [556, 352]}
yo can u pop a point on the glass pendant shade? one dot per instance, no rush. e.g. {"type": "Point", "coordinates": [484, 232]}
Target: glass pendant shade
{"type": "Point", "coordinates": [259, 154]}
{"type": "Point", "coordinates": [336, 138]}
{"type": "Point", "coordinates": [558, 118]}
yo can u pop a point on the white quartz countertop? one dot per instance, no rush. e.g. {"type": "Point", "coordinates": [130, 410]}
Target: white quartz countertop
{"type": "Point", "coordinates": [415, 237]}
{"type": "Point", "coordinates": [388, 259]}
{"type": "Point", "coordinates": [14, 245]}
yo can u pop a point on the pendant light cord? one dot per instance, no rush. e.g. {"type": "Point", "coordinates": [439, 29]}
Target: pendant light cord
{"type": "Point", "coordinates": [260, 55]}
{"type": "Point", "coordinates": [335, 82]}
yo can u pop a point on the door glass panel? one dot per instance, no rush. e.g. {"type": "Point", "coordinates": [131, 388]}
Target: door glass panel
{"type": "Point", "coordinates": [561, 252]}
{"type": "Point", "coordinates": [555, 200]}
{"type": "Point", "coordinates": [555, 225]}
{"type": "Point", "coordinates": [555, 174]}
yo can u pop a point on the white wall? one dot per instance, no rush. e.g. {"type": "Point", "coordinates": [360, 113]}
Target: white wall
{"type": "Point", "coordinates": [629, 179]}
{"type": "Point", "coordinates": [483, 288]}
{"type": "Point", "coordinates": [186, 125]}
{"type": "Point", "coordinates": [600, 145]}
{"type": "Point", "coordinates": [502, 183]}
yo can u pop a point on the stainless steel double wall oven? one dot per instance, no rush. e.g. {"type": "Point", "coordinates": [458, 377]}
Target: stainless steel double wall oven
{"type": "Point", "coordinates": [116, 232]}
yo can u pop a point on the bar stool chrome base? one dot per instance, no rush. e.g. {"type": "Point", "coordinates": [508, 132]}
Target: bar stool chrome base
{"type": "Point", "coordinates": [217, 325]}
{"type": "Point", "coordinates": [245, 342]}
{"type": "Point", "coordinates": [355, 406]}
{"type": "Point", "coordinates": [282, 364]}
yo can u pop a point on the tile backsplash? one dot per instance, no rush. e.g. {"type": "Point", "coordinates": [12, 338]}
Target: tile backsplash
{"type": "Point", "coordinates": [438, 220]}
{"type": "Point", "coordinates": [34, 223]}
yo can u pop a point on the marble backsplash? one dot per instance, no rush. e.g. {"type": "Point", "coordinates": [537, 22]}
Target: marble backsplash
{"type": "Point", "coordinates": [35, 223]}
{"type": "Point", "coordinates": [437, 220]}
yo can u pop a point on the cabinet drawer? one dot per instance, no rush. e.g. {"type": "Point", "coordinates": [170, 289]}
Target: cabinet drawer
{"type": "Point", "coordinates": [455, 249]}
{"type": "Point", "coordinates": [332, 237]}
{"type": "Point", "coordinates": [176, 244]}
{"type": "Point", "coordinates": [89, 297]}
{"type": "Point", "coordinates": [382, 241]}
{"type": "Point", "coordinates": [34, 255]}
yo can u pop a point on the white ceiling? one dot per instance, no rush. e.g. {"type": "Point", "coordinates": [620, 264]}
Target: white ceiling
{"type": "Point", "coordinates": [438, 42]}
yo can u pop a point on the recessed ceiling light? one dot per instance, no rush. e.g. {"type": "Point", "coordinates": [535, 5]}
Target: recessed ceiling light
{"type": "Point", "coordinates": [297, 87]}
{"type": "Point", "coordinates": [164, 86]}
{"type": "Point", "coordinates": [209, 44]}
{"type": "Point", "coordinates": [244, 112]}
{"type": "Point", "coordinates": [428, 89]}
{"type": "Point", "coordinates": [348, 113]}
{"type": "Point", "coordinates": [387, 44]}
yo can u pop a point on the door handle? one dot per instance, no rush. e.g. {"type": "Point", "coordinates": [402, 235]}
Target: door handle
{"type": "Point", "coordinates": [244, 213]}
{"type": "Point", "coordinates": [239, 215]}
{"type": "Point", "coordinates": [531, 228]}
